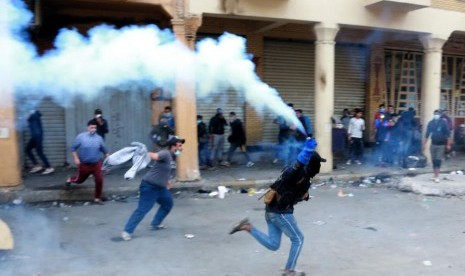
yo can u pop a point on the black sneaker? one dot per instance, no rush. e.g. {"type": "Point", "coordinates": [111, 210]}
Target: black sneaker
{"type": "Point", "coordinates": [239, 225]}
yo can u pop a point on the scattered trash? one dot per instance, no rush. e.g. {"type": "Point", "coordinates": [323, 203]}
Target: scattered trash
{"type": "Point", "coordinates": [319, 222]}
{"type": "Point", "coordinates": [366, 181]}
{"type": "Point", "coordinates": [427, 263]}
{"type": "Point", "coordinates": [261, 191]}
{"type": "Point", "coordinates": [340, 193]}
{"type": "Point", "coordinates": [333, 186]}
{"type": "Point", "coordinates": [86, 203]}
{"type": "Point", "coordinates": [319, 185]}
{"type": "Point", "coordinates": [212, 194]}
{"type": "Point", "coordinates": [18, 201]}
{"type": "Point", "coordinates": [189, 236]}
{"type": "Point", "coordinates": [54, 203]}
{"type": "Point", "coordinates": [378, 181]}
{"type": "Point", "coordinates": [202, 191]}
{"type": "Point", "coordinates": [371, 228]}
{"type": "Point", "coordinates": [251, 191]}
{"type": "Point", "coordinates": [241, 179]}
{"type": "Point", "coordinates": [65, 218]}
{"type": "Point", "coordinates": [363, 186]}
{"type": "Point", "coordinates": [460, 172]}
{"type": "Point", "coordinates": [243, 191]}
{"type": "Point", "coordinates": [222, 190]}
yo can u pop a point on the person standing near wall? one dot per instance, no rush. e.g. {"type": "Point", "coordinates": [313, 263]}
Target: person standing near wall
{"type": "Point", "coordinates": [35, 142]}
{"type": "Point", "coordinates": [440, 138]}
{"type": "Point", "coordinates": [216, 130]}
{"type": "Point", "coordinates": [237, 139]}
{"type": "Point", "coordinates": [355, 136]}
{"type": "Point", "coordinates": [102, 124]}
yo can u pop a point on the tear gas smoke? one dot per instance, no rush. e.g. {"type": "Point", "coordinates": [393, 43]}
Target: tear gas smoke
{"type": "Point", "coordinates": [83, 66]}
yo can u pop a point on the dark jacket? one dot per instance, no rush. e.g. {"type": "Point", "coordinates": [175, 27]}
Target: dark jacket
{"type": "Point", "coordinates": [217, 124]}
{"type": "Point", "coordinates": [202, 132]}
{"type": "Point", "coordinates": [293, 184]}
{"type": "Point", "coordinates": [35, 125]}
{"type": "Point", "coordinates": [439, 131]}
{"type": "Point", "coordinates": [237, 133]}
{"type": "Point", "coordinates": [103, 128]}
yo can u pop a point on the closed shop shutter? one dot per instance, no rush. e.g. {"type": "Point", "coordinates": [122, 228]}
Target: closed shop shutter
{"type": "Point", "coordinates": [128, 114]}
{"type": "Point", "coordinates": [290, 68]}
{"type": "Point", "coordinates": [54, 140]}
{"type": "Point", "coordinates": [350, 78]}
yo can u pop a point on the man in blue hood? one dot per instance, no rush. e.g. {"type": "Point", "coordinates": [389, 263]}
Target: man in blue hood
{"type": "Point", "coordinates": [290, 188]}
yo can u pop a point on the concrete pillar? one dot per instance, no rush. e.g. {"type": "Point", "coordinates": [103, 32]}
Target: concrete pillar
{"type": "Point", "coordinates": [324, 90]}
{"type": "Point", "coordinates": [10, 172]}
{"type": "Point", "coordinates": [430, 80]}
{"type": "Point", "coordinates": [185, 108]}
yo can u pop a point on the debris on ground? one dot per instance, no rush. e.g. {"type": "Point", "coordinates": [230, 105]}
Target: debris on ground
{"type": "Point", "coordinates": [340, 193]}
{"type": "Point", "coordinates": [319, 222]}
{"type": "Point", "coordinates": [371, 228]}
{"type": "Point", "coordinates": [18, 201]}
{"type": "Point", "coordinates": [203, 191]}
{"type": "Point", "coordinates": [427, 263]}
{"type": "Point", "coordinates": [189, 236]}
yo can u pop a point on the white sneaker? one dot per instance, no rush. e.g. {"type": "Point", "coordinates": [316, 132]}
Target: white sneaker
{"type": "Point", "coordinates": [275, 160]}
{"type": "Point", "coordinates": [126, 236]}
{"type": "Point", "coordinates": [225, 163]}
{"type": "Point", "coordinates": [348, 162]}
{"type": "Point", "coordinates": [358, 162]}
{"type": "Point", "coordinates": [36, 169]}
{"type": "Point", "coordinates": [48, 171]}
{"type": "Point", "coordinates": [436, 180]}
{"type": "Point", "coordinates": [250, 164]}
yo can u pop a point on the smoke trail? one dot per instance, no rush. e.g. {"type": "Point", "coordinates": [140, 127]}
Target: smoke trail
{"type": "Point", "coordinates": [83, 66]}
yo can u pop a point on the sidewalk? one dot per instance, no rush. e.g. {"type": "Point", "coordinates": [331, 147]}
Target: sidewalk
{"type": "Point", "coordinates": [38, 188]}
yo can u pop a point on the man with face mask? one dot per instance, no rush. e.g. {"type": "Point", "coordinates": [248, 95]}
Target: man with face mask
{"type": "Point", "coordinates": [87, 151]}
{"type": "Point", "coordinates": [440, 137]}
{"type": "Point", "coordinates": [155, 187]}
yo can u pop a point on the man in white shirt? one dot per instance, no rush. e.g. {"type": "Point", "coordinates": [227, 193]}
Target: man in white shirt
{"type": "Point", "coordinates": [355, 135]}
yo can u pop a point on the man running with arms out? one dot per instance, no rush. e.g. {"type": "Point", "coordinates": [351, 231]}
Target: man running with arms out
{"type": "Point", "coordinates": [289, 189]}
{"type": "Point", "coordinates": [155, 187]}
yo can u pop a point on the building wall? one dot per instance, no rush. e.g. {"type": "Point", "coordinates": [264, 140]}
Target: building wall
{"type": "Point", "coordinates": [452, 5]}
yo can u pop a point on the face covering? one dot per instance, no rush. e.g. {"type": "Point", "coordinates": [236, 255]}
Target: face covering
{"type": "Point", "coordinates": [168, 114]}
{"type": "Point", "coordinates": [92, 132]}
{"type": "Point", "coordinates": [199, 121]}
{"type": "Point", "coordinates": [382, 110]}
{"type": "Point", "coordinates": [177, 152]}
{"type": "Point", "coordinates": [436, 116]}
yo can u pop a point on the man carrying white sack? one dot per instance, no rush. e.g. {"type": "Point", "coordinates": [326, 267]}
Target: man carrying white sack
{"type": "Point", "coordinates": [155, 187]}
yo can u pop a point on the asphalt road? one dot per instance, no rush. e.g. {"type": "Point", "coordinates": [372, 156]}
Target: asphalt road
{"type": "Point", "coordinates": [377, 231]}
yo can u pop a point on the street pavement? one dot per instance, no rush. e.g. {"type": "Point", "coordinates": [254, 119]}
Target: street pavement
{"type": "Point", "coordinates": [39, 188]}
{"type": "Point", "coordinates": [349, 231]}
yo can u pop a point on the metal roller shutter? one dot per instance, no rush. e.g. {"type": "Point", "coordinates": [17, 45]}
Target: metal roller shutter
{"type": "Point", "coordinates": [350, 78]}
{"type": "Point", "coordinates": [53, 124]}
{"type": "Point", "coordinates": [290, 67]}
{"type": "Point", "coordinates": [128, 114]}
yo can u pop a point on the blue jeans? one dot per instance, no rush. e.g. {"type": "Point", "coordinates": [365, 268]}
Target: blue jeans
{"type": "Point", "coordinates": [204, 154]}
{"type": "Point", "coordinates": [278, 224]}
{"type": "Point", "coordinates": [149, 194]}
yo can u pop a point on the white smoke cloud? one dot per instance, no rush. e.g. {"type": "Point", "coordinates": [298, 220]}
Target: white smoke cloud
{"type": "Point", "coordinates": [82, 66]}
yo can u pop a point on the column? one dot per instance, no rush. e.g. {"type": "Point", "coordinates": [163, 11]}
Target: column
{"type": "Point", "coordinates": [430, 80]}
{"type": "Point", "coordinates": [324, 90]}
{"type": "Point", "coordinates": [185, 106]}
{"type": "Point", "coordinates": [10, 171]}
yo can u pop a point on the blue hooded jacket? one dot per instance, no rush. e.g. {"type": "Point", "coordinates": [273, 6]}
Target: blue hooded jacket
{"type": "Point", "coordinates": [35, 124]}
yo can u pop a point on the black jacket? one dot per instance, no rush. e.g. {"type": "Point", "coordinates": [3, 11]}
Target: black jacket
{"type": "Point", "coordinates": [293, 184]}
{"type": "Point", "coordinates": [217, 124]}
{"type": "Point", "coordinates": [237, 133]}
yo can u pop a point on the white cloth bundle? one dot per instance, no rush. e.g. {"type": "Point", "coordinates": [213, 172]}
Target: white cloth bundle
{"type": "Point", "coordinates": [137, 152]}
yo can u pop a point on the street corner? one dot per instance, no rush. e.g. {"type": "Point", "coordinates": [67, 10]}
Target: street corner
{"type": "Point", "coordinates": [425, 184]}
